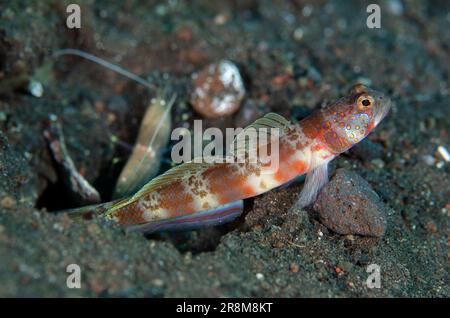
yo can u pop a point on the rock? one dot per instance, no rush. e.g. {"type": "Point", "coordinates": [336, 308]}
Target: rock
{"type": "Point", "coordinates": [218, 90]}
{"type": "Point", "coordinates": [294, 268]}
{"type": "Point", "coordinates": [348, 205]}
{"type": "Point", "coordinates": [7, 202]}
{"type": "Point", "coordinates": [367, 150]}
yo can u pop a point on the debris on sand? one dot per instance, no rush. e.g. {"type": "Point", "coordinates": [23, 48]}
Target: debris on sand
{"type": "Point", "coordinates": [348, 205]}
{"type": "Point", "coordinates": [443, 152]}
{"type": "Point", "coordinates": [80, 189]}
{"type": "Point", "coordinates": [218, 90]}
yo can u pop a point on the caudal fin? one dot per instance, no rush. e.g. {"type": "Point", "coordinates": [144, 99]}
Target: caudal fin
{"type": "Point", "coordinates": [87, 212]}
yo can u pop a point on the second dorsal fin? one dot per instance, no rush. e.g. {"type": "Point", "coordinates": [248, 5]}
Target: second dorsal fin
{"type": "Point", "coordinates": [163, 179]}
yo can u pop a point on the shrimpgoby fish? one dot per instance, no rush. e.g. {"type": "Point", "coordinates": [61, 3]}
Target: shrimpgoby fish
{"type": "Point", "coordinates": [193, 194]}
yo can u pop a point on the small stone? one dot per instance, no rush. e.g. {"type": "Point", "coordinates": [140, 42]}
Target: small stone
{"type": "Point", "coordinates": [294, 268]}
{"type": "Point", "coordinates": [443, 152]}
{"type": "Point", "coordinates": [259, 276]}
{"type": "Point", "coordinates": [378, 163]}
{"type": "Point", "coordinates": [111, 118]}
{"type": "Point", "coordinates": [158, 282]}
{"type": "Point", "coordinates": [97, 286]}
{"type": "Point", "coordinates": [431, 227]}
{"type": "Point", "coordinates": [430, 122]}
{"type": "Point", "coordinates": [395, 7]}
{"type": "Point", "coordinates": [298, 34]}
{"type": "Point", "coordinates": [348, 205]}
{"type": "Point", "coordinates": [93, 229]}
{"type": "Point", "coordinates": [429, 160]}
{"type": "Point", "coordinates": [218, 90]}
{"type": "Point", "coordinates": [221, 18]}
{"type": "Point", "coordinates": [35, 88]}
{"type": "Point", "coordinates": [345, 266]}
{"type": "Point", "coordinates": [7, 202]}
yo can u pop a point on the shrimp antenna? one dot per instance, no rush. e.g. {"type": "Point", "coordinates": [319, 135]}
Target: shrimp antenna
{"type": "Point", "coordinates": [111, 66]}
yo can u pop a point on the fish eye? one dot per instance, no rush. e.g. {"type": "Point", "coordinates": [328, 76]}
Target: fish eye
{"type": "Point", "coordinates": [365, 101]}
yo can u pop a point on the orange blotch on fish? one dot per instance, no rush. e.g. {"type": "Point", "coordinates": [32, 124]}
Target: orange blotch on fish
{"type": "Point", "coordinates": [248, 191]}
{"type": "Point", "coordinates": [300, 166]}
{"type": "Point", "coordinates": [280, 175]}
{"type": "Point", "coordinates": [175, 199]}
{"type": "Point", "coordinates": [129, 215]}
{"type": "Point", "coordinates": [222, 199]}
{"type": "Point", "coordinates": [317, 147]}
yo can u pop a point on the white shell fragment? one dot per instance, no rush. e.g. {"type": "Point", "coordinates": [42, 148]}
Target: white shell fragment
{"type": "Point", "coordinates": [35, 88]}
{"type": "Point", "coordinates": [443, 152]}
{"type": "Point", "coordinates": [218, 90]}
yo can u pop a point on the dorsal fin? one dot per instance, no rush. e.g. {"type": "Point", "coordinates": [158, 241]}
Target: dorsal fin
{"type": "Point", "coordinates": [171, 174]}
{"type": "Point", "coordinates": [270, 122]}
{"type": "Point", "coordinates": [163, 179]}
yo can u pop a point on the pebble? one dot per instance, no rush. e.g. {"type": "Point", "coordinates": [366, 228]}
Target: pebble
{"type": "Point", "coordinates": [395, 7]}
{"type": "Point", "coordinates": [158, 282]}
{"type": "Point", "coordinates": [35, 88]}
{"type": "Point", "coordinates": [431, 227]}
{"type": "Point", "coordinates": [298, 34]}
{"type": "Point", "coordinates": [294, 268]}
{"type": "Point", "coordinates": [443, 152]}
{"type": "Point", "coordinates": [93, 229]}
{"type": "Point", "coordinates": [378, 163]}
{"type": "Point", "coordinates": [218, 90]}
{"type": "Point", "coordinates": [7, 202]}
{"type": "Point", "coordinates": [429, 160]}
{"type": "Point", "coordinates": [348, 205]}
{"type": "Point", "coordinates": [259, 276]}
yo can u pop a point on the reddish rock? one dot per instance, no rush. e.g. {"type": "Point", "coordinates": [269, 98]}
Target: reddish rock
{"type": "Point", "coordinates": [348, 205]}
{"type": "Point", "coordinates": [218, 90]}
{"type": "Point", "coordinates": [294, 268]}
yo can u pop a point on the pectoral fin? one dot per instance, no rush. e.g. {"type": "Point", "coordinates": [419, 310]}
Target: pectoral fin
{"type": "Point", "coordinates": [219, 215]}
{"type": "Point", "coordinates": [315, 180]}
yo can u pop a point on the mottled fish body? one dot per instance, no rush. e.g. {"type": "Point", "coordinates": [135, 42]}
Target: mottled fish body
{"type": "Point", "coordinates": [191, 194]}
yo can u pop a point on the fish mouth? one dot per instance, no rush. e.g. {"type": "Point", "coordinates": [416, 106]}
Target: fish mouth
{"type": "Point", "coordinates": [384, 105]}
